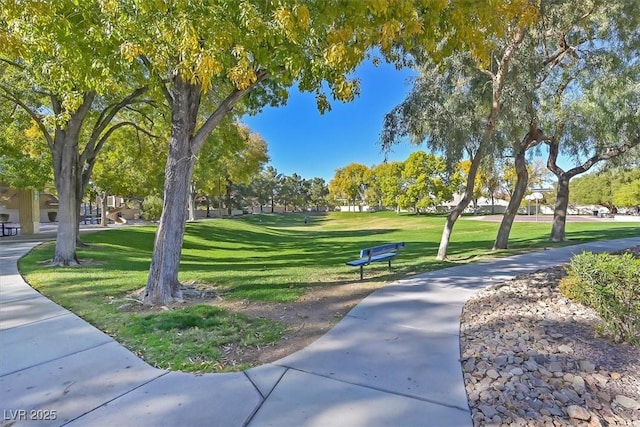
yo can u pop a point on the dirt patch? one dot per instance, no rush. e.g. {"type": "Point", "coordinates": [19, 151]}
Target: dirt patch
{"type": "Point", "coordinates": [305, 320]}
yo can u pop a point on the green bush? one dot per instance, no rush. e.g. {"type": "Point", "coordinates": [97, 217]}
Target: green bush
{"type": "Point", "coordinates": [610, 284]}
{"type": "Point", "coordinates": [152, 208]}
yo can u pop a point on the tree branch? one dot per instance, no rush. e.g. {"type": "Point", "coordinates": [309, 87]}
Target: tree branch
{"type": "Point", "coordinates": [609, 154]}
{"type": "Point", "coordinates": [117, 126]}
{"type": "Point", "coordinates": [8, 95]}
{"type": "Point", "coordinates": [77, 118]}
{"type": "Point", "coordinates": [106, 116]}
{"type": "Point", "coordinates": [225, 107]}
{"type": "Point", "coordinates": [165, 91]}
{"type": "Point", "coordinates": [12, 63]}
{"type": "Point", "coordinates": [144, 116]}
{"type": "Point", "coordinates": [488, 73]}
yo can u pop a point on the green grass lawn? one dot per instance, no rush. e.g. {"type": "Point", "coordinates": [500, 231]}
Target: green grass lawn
{"type": "Point", "coordinates": [259, 257]}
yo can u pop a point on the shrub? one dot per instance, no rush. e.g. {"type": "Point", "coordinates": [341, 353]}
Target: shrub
{"type": "Point", "coordinates": [610, 284]}
{"type": "Point", "coordinates": [152, 208]}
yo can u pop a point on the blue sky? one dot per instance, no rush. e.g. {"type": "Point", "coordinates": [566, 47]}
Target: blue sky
{"type": "Point", "coordinates": [303, 141]}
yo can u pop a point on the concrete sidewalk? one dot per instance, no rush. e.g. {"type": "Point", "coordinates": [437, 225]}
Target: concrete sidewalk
{"type": "Point", "coordinates": [392, 361]}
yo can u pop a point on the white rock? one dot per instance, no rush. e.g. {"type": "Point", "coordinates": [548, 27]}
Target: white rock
{"type": "Point", "coordinates": [578, 383]}
{"type": "Point", "coordinates": [493, 374]}
{"type": "Point", "coordinates": [565, 349]}
{"type": "Point", "coordinates": [578, 413]}
{"type": "Point", "coordinates": [627, 402]}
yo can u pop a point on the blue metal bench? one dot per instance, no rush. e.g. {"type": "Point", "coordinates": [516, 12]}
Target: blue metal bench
{"type": "Point", "coordinates": [375, 254]}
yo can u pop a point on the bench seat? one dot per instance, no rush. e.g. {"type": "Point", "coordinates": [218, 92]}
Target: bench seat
{"type": "Point", "coordinates": [376, 254]}
{"type": "Point", "coordinates": [10, 230]}
{"type": "Point", "coordinates": [365, 261]}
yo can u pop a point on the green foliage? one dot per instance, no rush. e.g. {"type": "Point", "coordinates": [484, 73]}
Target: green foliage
{"type": "Point", "coordinates": [24, 160]}
{"type": "Point", "coordinates": [318, 193]}
{"type": "Point", "coordinates": [233, 153]}
{"type": "Point", "coordinates": [132, 164]}
{"type": "Point", "coordinates": [152, 208]}
{"type": "Point", "coordinates": [610, 188]}
{"type": "Point", "coordinates": [426, 181]}
{"type": "Point", "coordinates": [349, 183]}
{"type": "Point", "coordinates": [628, 194]}
{"type": "Point", "coordinates": [609, 284]}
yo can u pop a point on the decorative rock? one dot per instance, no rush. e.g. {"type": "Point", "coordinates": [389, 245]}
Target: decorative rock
{"type": "Point", "coordinates": [517, 371]}
{"type": "Point", "coordinates": [592, 404]}
{"type": "Point", "coordinates": [555, 367]}
{"type": "Point", "coordinates": [578, 413]}
{"type": "Point", "coordinates": [587, 366]}
{"type": "Point", "coordinates": [594, 422]}
{"type": "Point", "coordinates": [602, 380]}
{"type": "Point", "coordinates": [565, 349]}
{"type": "Point", "coordinates": [526, 361]}
{"type": "Point", "coordinates": [627, 402]}
{"type": "Point", "coordinates": [500, 361]}
{"type": "Point", "coordinates": [540, 359]}
{"type": "Point", "coordinates": [556, 411]}
{"type": "Point", "coordinates": [604, 396]}
{"type": "Point", "coordinates": [535, 404]}
{"type": "Point", "coordinates": [561, 397]}
{"type": "Point", "coordinates": [573, 395]}
{"type": "Point", "coordinates": [469, 365]}
{"type": "Point", "coordinates": [488, 411]}
{"type": "Point", "coordinates": [493, 374]}
{"type": "Point", "coordinates": [578, 384]}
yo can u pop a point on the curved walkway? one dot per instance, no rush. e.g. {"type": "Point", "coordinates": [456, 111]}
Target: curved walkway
{"type": "Point", "coordinates": [392, 361]}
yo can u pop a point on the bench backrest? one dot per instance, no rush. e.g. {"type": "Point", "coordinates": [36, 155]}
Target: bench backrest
{"type": "Point", "coordinates": [383, 249]}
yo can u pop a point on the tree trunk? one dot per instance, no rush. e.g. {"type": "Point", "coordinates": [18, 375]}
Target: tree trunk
{"type": "Point", "coordinates": [80, 187]}
{"type": "Point", "coordinates": [162, 284]}
{"type": "Point", "coordinates": [65, 162]}
{"type": "Point", "coordinates": [461, 206]}
{"type": "Point", "coordinates": [104, 221]}
{"type": "Point", "coordinates": [560, 210]}
{"type": "Point", "coordinates": [184, 145]}
{"type": "Point", "coordinates": [228, 196]}
{"type": "Point", "coordinates": [502, 239]}
{"type": "Point", "coordinates": [192, 202]}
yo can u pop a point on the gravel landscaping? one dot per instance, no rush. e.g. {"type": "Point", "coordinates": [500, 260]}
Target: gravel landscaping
{"type": "Point", "coordinates": [530, 357]}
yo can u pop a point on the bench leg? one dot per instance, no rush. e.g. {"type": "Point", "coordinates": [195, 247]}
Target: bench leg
{"type": "Point", "coordinates": [361, 276]}
{"type": "Point", "coordinates": [389, 265]}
